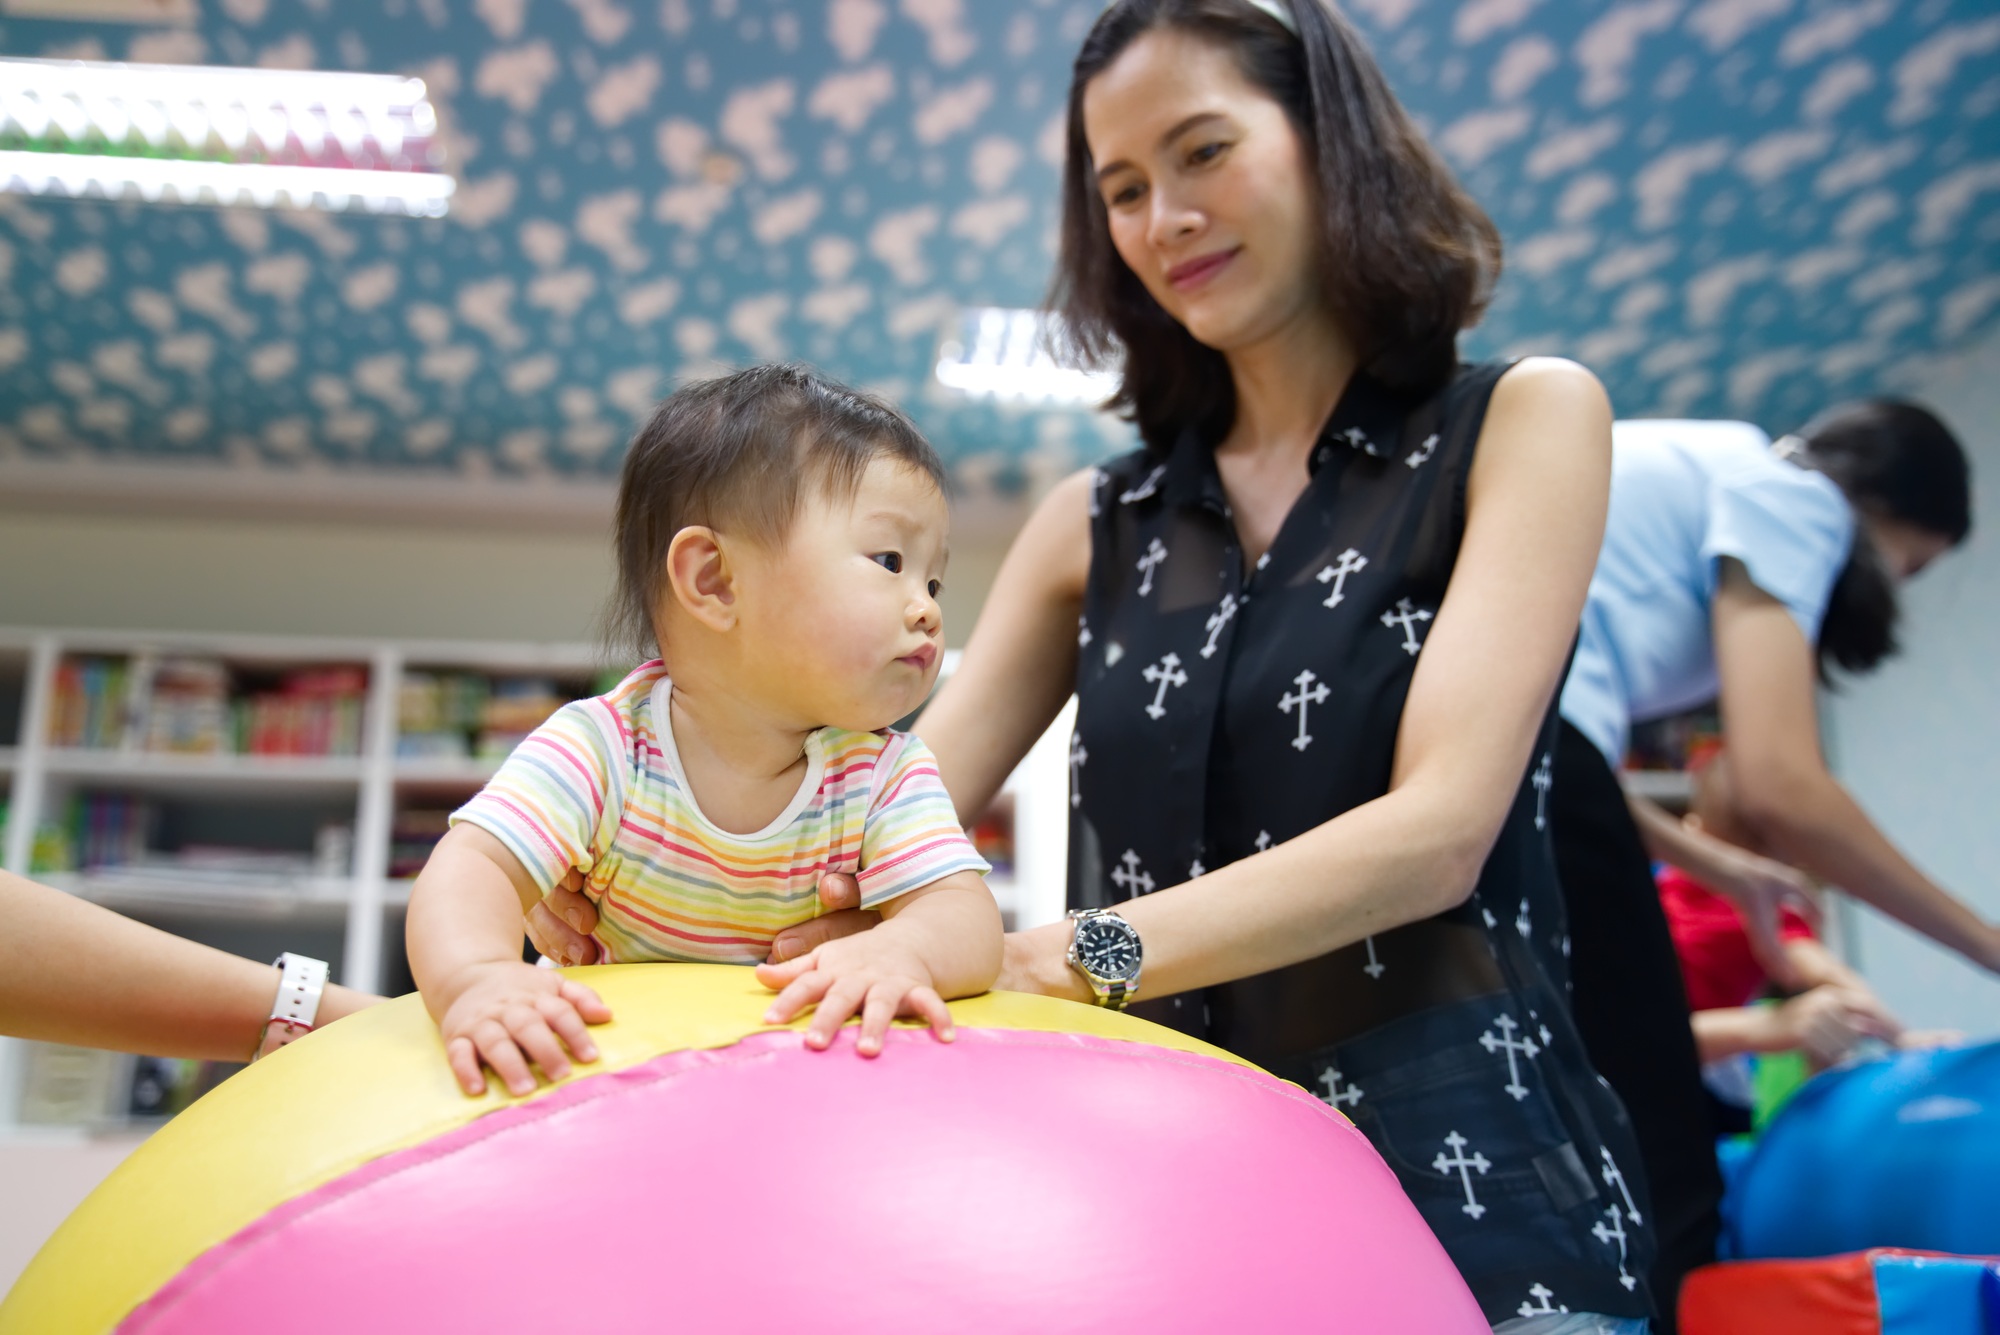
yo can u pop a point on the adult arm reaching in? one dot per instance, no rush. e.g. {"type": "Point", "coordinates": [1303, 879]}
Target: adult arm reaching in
{"type": "Point", "coordinates": [73, 972]}
{"type": "Point", "coordinates": [1783, 791]}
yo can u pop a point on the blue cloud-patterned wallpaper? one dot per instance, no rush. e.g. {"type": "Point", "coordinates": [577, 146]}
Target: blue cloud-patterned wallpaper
{"type": "Point", "coordinates": [1726, 207]}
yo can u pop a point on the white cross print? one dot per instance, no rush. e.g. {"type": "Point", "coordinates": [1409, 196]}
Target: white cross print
{"type": "Point", "coordinates": [1612, 1177]}
{"type": "Point", "coordinates": [1156, 552]}
{"type": "Point", "coordinates": [1457, 1143]}
{"type": "Point", "coordinates": [1167, 672]}
{"type": "Point", "coordinates": [1349, 562]}
{"type": "Point", "coordinates": [1521, 923]}
{"type": "Point", "coordinates": [1098, 477]}
{"type": "Point", "coordinates": [1303, 697]}
{"type": "Point", "coordinates": [1548, 1039]}
{"type": "Point", "coordinates": [1077, 755]}
{"type": "Point", "coordinates": [1358, 438]}
{"type": "Point", "coordinates": [1146, 488]}
{"type": "Point", "coordinates": [1418, 457]}
{"type": "Point", "coordinates": [1217, 621]}
{"type": "Point", "coordinates": [1263, 840]}
{"type": "Point", "coordinates": [1407, 615]}
{"type": "Point", "coordinates": [1374, 968]}
{"type": "Point", "coordinates": [1614, 1232]}
{"type": "Point", "coordinates": [1197, 871]}
{"type": "Point", "coordinates": [1335, 1095]}
{"type": "Point", "coordinates": [1507, 1043]}
{"type": "Point", "coordinates": [1131, 878]}
{"type": "Point", "coordinates": [1541, 1293]}
{"type": "Point", "coordinates": [1543, 778]}
{"type": "Point", "coordinates": [1082, 633]}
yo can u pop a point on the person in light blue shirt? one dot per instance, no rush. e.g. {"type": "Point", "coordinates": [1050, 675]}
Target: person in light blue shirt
{"type": "Point", "coordinates": [1685, 497]}
{"type": "Point", "coordinates": [1738, 570]}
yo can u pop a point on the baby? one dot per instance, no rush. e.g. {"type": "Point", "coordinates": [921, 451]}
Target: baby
{"type": "Point", "coordinates": [781, 539]}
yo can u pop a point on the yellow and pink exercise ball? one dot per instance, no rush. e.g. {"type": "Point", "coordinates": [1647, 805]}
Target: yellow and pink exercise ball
{"type": "Point", "coordinates": [1057, 1168]}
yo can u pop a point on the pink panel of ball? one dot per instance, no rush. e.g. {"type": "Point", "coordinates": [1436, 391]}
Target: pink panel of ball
{"type": "Point", "coordinates": [1009, 1182]}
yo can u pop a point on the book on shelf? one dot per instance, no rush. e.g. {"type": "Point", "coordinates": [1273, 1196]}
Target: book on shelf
{"type": "Point", "coordinates": [89, 709]}
{"type": "Point", "coordinates": [458, 715]}
{"type": "Point", "coordinates": [94, 1090]}
{"type": "Point", "coordinates": [109, 837]}
{"type": "Point", "coordinates": [184, 704]}
{"type": "Point", "coordinates": [413, 834]}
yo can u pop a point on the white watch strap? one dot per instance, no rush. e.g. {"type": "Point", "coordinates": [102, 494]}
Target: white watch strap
{"type": "Point", "coordinates": [301, 983]}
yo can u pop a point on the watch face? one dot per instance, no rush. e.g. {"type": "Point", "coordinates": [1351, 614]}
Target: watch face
{"type": "Point", "coordinates": [1107, 948]}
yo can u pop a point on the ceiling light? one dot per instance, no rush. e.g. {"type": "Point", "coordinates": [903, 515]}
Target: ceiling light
{"type": "Point", "coordinates": [1004, 354]}
{"type": "Point", "coordinates": [196, 134]}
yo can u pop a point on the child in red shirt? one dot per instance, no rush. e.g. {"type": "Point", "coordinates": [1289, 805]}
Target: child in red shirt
{"type": "Point", "coordinates": [1834, 1008]}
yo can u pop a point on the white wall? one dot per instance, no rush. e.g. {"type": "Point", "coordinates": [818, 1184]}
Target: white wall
{"type": "Point", "coordinates": [326, 577]}
{"type": "Point", "coordinates": [1918, 742]}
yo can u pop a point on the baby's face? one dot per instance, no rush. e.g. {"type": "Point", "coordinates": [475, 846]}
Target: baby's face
{"type": "Point", "coordinates": [844, 618]}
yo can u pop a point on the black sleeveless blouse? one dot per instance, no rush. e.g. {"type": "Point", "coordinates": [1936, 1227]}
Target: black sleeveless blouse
{"type": "Point", "coordinates": [1220, 713]}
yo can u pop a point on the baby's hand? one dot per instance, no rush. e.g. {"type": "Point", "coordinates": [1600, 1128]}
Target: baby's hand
{"type": "Point", "coordinates": [872, 974]}
{"type": "Point", "coordinates": [506, 1013]}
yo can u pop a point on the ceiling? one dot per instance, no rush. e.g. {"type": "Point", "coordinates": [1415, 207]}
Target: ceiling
{"type": "Point", "coordinates": [1726, 207]}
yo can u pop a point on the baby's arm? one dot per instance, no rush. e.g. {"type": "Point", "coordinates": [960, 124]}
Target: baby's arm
{"type": "Point", "coordinates": [942, 940]}
{"type": "Point", "coordinates": [464, 940]}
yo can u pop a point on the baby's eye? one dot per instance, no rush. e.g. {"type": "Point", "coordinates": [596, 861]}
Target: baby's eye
{"type": "Point", "coordinates": [889, 561]}
{"type": "Point", "coordinates": [936, 587]}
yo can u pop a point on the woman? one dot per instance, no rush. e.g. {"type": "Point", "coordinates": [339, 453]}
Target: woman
{"type": "Point", "coordinates": [1316, 626]}
{"type": "Point", "coordinates": [1736, 569]}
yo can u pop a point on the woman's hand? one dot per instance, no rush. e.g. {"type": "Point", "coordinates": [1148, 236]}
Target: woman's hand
{"type": "Point", "coordinates": [1037, 960]}
{"type": "Point", "coordinates": [562, 923]}
{"type": "Point", "coordinates": [1761, 888]}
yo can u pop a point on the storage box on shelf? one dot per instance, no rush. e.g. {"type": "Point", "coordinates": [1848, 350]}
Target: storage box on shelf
{"type": "Point", "coordinates": [264, 794]}
{"type": "Point", "coordinates": [1664, 752]}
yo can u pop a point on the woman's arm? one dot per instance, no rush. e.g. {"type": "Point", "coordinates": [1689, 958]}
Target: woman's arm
{"type": "Point", "coordinates": [1495, 655]}
{"type": "Point", "coordinates": [1758, 886]}
{"type": "Point", "coordinates": [71, 972]}
{"type": "Point", "coordinates": [1020, 664]}
{"type": "Point", "coordinates": [1783, 790]}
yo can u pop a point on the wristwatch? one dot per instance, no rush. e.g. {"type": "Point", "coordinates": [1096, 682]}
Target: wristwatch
{"type": "Point", "coordinates": [1105, 950]}
{"type": "Point", "coordinates": [301, 984]}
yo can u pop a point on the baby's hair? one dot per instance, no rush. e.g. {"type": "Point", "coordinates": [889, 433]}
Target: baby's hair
{"type": "Point", "coordinates": [739, 454]}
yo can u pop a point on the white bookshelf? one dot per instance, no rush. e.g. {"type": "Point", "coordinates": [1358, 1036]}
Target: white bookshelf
{"type": "Point", "coordinates": [363, 789]}
{"type": "Point", "coordinates": [356, 914]}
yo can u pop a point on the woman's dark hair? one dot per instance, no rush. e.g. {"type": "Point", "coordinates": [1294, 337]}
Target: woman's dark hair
{"type": "Point", "coordinates": [1408, 258]}
{"type": "Point", "coordinates": [741, 453]}
{"type": "Point", "coordinates": [1892, 460]}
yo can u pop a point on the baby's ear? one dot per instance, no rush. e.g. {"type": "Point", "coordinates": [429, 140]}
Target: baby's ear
{"type": "Point", "coordinates": [699, 577]}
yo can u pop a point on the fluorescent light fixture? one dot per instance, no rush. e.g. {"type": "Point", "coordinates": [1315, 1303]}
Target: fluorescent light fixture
{"type": "Point", "coordinates": [186, 181]}
{"type": "Point", "coordinates": [1004, 354]}
{"type": "Point", "coordinates": [196, 134]}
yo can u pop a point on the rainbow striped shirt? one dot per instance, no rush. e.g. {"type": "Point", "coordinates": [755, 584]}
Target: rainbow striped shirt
{"type": "Point", "coordinates": [599, 788]}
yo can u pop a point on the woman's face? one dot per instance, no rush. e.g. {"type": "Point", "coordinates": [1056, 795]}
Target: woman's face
{"type": "Point", "coordinates": [1207, 187]}
{"type": "Point", "coordinates": [1905, 548]}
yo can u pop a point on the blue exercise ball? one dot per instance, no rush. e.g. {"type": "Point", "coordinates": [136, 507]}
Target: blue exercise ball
{"type": "Point", "coordinates": [1900, 1152]}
